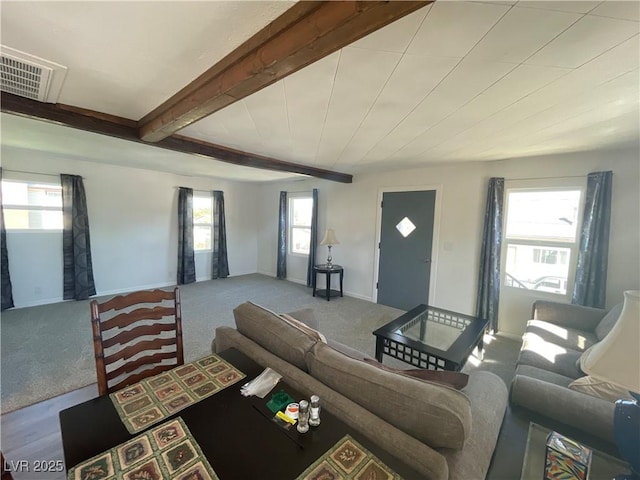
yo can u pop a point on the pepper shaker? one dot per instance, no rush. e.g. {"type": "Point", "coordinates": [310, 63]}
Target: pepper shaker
{"type": "Point", "coordinates": [314, 415]}
{"type": "Point", "coordinates": [303, 416]}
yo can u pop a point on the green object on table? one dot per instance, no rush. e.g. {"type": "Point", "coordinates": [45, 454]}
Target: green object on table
{"type": "Point", "coordinates": [279, 401]}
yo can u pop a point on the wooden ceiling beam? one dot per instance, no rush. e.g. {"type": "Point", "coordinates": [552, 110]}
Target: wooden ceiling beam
{"type": "Point", "coordinates": [304, 34]}
{"type": "Point", "coordinates": [126, 129]}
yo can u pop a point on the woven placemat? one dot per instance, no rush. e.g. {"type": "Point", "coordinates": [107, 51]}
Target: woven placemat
{"type": "Point", "coordinates": [347, 459]}
{"type": "Point", "coordinates": [166, 451]}
{"type": "Point", "coordinates": [156, 398]}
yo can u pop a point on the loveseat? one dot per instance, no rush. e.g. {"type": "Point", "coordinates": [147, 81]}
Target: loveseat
{"type": "Point", "coordinates": [438, 431]}
{"type": "Point", "coordinates": [548, 379]}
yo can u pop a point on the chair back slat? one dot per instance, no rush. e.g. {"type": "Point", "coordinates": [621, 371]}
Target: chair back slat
{"type": "Point", "coordinates": [137, 348]}
{"type": "Point", "coordinates": [129, 335]}
{"type": "Point", "coordinates": [135, 298]}
{"type": "Point", "coordinates": [118, 325]}
{"type": "Point", "coordinates": [123, 320]}
{"type": "Point", "coordinates": [130, 367]}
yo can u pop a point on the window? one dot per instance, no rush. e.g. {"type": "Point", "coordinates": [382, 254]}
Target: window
{"type": "Point", "coordinates": [300, 209]}
{"type": "Point", "coordinates": [32, 206]}
{"type": "Point", "coordinates": [202, 221]}
{"type": "Point", "coordinates": [541, 238]}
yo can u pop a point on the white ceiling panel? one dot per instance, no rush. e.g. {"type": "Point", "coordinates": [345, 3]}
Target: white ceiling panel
{"type": "Point", "coordinates": [517, 84]}
{"type": "Point", "coordinates": [528, 29]}
{"type": "Point", "coordinates": [625, 10]}
{"type": "Point", "coordinates": [469, 79]}
{"type": "Point", "coordinates": [351, 100]}
{"type": "Point", "coordinates": [570, 6]}
{"type": "Point", "coordinates": [453, 28]}
{"type": "Point", "coordinates": [396, 36]}
{"type": "Point", "coordinates": [412, 80]}
{"type": "Point", "coordinates": [586, 39]}
{"type": "Point", "coordinates": [454, 81]}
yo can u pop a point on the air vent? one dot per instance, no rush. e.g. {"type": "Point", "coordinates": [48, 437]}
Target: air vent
{"type": "Point", "coordinates": [29, 76]}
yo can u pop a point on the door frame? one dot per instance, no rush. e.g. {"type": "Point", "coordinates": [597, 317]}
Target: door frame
{"type": "Point", "coordinates": [435, 241]}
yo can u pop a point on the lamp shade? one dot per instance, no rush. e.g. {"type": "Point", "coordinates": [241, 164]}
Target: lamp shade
{"type": "Point", "coordinates": [616, 358]}
{"type": "Point", "coordinates": [329, 238]}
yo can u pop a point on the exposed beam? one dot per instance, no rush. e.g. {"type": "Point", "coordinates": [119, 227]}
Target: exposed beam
{"type": "Point", "coordinates": [126, 129]}
{"type": "Point", "coordinates": [305, 33]}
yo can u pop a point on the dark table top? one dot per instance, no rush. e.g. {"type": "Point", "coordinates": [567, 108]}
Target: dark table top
{"type": "Point", "coordinates": [235, 433]}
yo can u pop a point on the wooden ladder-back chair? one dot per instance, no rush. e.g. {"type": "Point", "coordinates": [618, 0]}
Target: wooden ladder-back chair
{"type": "Point", "coordinates": [122, 331]}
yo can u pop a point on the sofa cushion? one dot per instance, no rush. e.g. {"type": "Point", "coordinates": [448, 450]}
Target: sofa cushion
{"type": "Point", "coordinates": [437, 415]}
{"type": "Point", "coordinates": [538, 352]}
{"type": "Point", "coordinates": [608, 321]}
{"type": "Point", "coordinates": [600, 389]}
{"type": "Point", "coordinates": [273, 333]}
{"type": "Point", "coordinates": [564, 337]}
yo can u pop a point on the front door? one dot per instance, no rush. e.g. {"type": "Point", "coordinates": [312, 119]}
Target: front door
{"type": "Point", "coordinates": [406, 237]}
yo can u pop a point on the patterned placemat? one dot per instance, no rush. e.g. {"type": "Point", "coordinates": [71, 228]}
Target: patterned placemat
{"type": "Point", "coordinates": [156, 398]}
{"type": "Point", "coordinates": [347, 459]}
{"type": "Point", "coordinates": [166, 451]}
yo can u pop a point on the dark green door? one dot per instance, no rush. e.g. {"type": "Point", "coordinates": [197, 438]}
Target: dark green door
{"type": "Point", "coordinates": [406, 237]}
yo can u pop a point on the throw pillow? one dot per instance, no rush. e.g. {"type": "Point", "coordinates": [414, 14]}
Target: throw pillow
{"type": "Point", "coordinates": [600, 389]}
{"type": "Point", "coordinates": [456, 380]}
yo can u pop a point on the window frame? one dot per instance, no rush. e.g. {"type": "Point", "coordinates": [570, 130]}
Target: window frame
{"type": "Point", "coordinates": [291, 198]}
{"type": "Point", "coordinates": [209, 196]}
{"type": "Point", "coordinates": [34, 208]}
{"type": "Point", "coordinates": [543, 185]}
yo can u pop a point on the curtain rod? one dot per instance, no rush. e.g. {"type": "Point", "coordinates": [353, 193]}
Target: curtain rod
{"type": "Point", "coordinates": [33, 173]}
{"type": "Point", "coordinates": [547, 178]}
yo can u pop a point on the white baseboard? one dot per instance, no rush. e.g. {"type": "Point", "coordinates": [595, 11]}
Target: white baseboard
{"type": "Point", "coordinates": [135, 288]}
{"type": "Point", "coordinates": [36, 303]}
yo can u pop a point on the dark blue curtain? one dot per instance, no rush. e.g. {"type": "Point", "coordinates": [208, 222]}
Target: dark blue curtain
{"type": "Point", "coordinates": [591, 274]}
{"type": "Point", "coordinates": [76, 244]}
{"type": "Point", "coordinates": [186, 256]}
{"type": "Point", "coordinates": [220, 263]}
{"type": "Point", "coordinates": [489, 277]}
{"type": "Point", "coordinates": [7, 290]}
{"type": "Point", "coordinates": [313, 244]}
{"type": "Point", "coordinates": [281, 270]}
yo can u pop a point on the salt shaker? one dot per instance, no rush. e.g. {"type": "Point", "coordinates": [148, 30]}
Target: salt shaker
{"type": "Point", "coordinates": [303, 416]}
{"type": "Point", "coordinates": [314, 415]}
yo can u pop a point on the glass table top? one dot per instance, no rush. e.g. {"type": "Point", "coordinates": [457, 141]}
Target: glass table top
{"type": "Point", "coordinates": [434, 328]}
{"type": "Point", "coordinates": [602, 466]}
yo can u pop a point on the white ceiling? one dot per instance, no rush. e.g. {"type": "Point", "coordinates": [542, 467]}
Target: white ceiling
{"type": "Point", "coordinates": [454, 81]}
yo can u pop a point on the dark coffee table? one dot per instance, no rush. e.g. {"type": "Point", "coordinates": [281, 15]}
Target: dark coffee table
{"type": "Point", "coordinates": [430, 337]}
{"type": "Point", "coordinates": [236, 433]}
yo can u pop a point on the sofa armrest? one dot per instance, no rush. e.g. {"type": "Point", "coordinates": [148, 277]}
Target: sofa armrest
{"type": "Point", "coordinates": [568, 315]}
{"type": "Point", "coordinates": [587, 413]}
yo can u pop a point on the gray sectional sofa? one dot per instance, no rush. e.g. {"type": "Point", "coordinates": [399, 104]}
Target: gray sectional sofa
{"type": "Point", "coordinates": [438, 431]}
{"type": "Point", "coordinates": [549, 362]}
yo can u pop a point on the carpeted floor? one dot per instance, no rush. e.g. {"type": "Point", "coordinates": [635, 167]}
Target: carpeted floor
{"type": "Point", "coordinates": [47, 350]}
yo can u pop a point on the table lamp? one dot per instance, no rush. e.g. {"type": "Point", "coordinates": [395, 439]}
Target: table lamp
{"type": "Point", "coordinates": [616, 359]}
{"type": "Point", "coordinates": [329, 240]}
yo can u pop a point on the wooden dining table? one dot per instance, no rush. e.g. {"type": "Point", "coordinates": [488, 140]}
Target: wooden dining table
{"type": "Point", "coordinates": [236, 434]}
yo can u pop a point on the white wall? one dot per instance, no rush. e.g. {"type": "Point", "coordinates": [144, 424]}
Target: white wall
{"type": "Point", "coordinates": [351, 209]}
{"type": "Point", "coordinates": [133, 225]}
